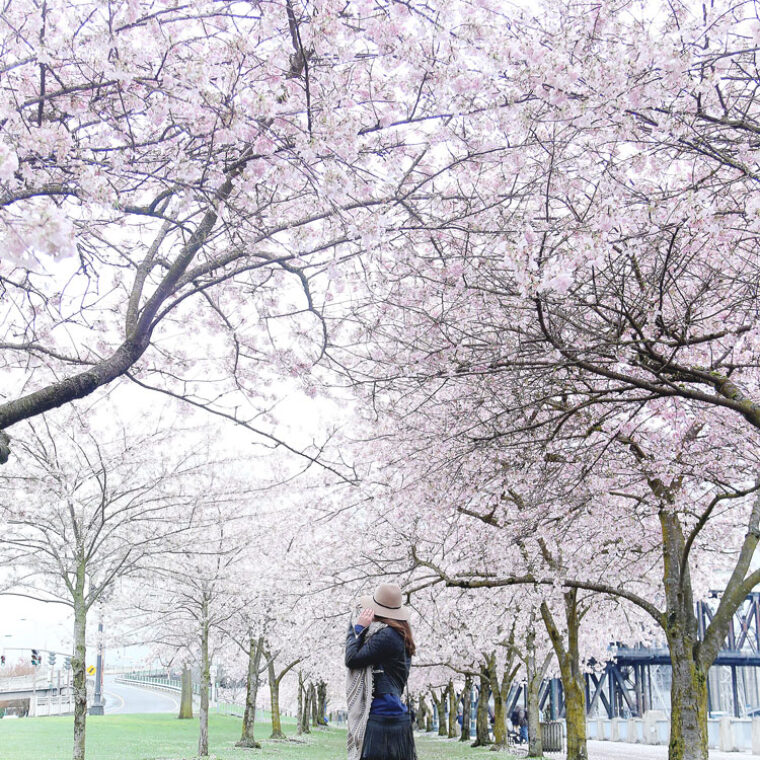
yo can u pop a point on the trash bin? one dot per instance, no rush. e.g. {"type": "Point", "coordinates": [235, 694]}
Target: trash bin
{"type": "Point", "coordinates": [551, 736]}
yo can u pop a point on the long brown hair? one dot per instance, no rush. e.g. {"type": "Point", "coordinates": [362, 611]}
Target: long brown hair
{"type": "Point", "coordinates": [403, 627]}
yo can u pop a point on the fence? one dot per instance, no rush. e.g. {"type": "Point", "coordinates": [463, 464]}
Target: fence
{"type": "Point", "coordinates": [725, 734]}
{"type": "Point", "coordinates": [227, 707]}
{"type": "Point", "coordinates": [552, 736]}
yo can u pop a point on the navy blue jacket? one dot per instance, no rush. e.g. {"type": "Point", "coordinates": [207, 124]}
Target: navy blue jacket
{"type": "Point", "coordinates": [386, 652]}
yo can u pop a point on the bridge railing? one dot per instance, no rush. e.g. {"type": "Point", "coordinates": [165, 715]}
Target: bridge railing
{"type": "Point", "coordinates": [230, 707]}
{"type": "Point", "coordinates": [58, 704]}
{"type": "Point", "coordinates": [163, 683]}
{"type": "Point", "coordinates": [19, 683]}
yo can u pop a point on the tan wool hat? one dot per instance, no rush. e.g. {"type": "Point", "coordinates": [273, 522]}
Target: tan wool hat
{"type": "Point", "coordinates": [386, 602]}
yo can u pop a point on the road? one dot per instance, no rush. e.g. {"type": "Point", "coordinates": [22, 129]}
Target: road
{"type": "Point", "coordinates": [122, 699]}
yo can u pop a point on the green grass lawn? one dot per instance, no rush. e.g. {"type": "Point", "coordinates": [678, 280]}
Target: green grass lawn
{"type": "Point", "coordinates": [163, 737]}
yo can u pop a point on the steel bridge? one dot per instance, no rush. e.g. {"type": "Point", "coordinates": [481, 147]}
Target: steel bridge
{"type": "Point", "coordinates": [638, 679]}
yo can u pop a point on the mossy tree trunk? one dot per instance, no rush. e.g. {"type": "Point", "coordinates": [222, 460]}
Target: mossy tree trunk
{"type": "Point", "coordinates": [535, 675]}
{"type": "Point", "coordinates": [466, 704]}
{"type": "Point", "coordinates": [500, 691]}
{"type": "Point", "coordinates": [299, 713]}
{"type": "Point", "coordinates": [321, 703]}
{"type": "Point", "coordinates": [499, 709]}
{"type": "Point", "coordinates": [186, 700]}
{"type": "Point", "coordinates": [303, 705]}
{"type": "Point", "coordinates": [688, 690]}
{"type": "Point", "coordinates": [688, 696]}
{"type": "Point", "coordinates": [482, 733]}
{"type": "Point", "coordinates": [440, 708]}
{"type": "Point", "coordinates": [275, 679]}
{"type": "Point", "coordinates": [247, 739]}
{"type": "Point", "coordinates": [452, 696]}
{"type": "Point", "coordinates": [573, 683]}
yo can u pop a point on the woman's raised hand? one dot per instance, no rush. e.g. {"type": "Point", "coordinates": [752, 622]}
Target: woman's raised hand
{"type": "Point", "coordinates": [366, 617]}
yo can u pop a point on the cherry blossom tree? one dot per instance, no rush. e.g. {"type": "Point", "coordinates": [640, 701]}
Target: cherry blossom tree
{"type": "Point", "coordinates": [590, 280]}
{"type": "Point", "coordinates": [180, 187]}
{"type": "Point", "coordinates": [199, 596]}
{"type": "Point", "coordinates": [595, 475]}
{"type": "Point", "coordinates": [569, 535]}
{"type": "Point", "coordinates": [261, 627]}
{"type": "Point", "coordinates": [83, 512]}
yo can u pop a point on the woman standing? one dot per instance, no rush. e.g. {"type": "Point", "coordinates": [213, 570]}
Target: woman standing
{"type": "Point", "coordinates": [379, 649]}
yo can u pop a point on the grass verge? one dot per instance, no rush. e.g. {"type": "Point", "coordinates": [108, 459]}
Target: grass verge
{"type": "Point", "coordinates": [163, 737]}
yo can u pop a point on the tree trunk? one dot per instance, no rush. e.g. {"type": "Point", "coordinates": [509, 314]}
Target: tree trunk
{"type": "Point", "coordinates": [466, 706]}
{"type": "Point", "coordinates": [313, 704]}
{"type": "Point", "coordinates": [535, 676]}
{"type": "Point", "coordinates": [688, 690]}
{"type": "Point", "coordinates": [274, 698]}
{"type": "Point", "coordinates": [306, 710]}
{"type": "Point", "coordinates": [205, 681]}
{"type": "Point", "coordinates": [186, 700]}
{"type": "Point", "coordinates": [688, 698]}
{"type": "Point", "coordinates": [452, 695]}
{"type": "Point", "coordinates": [78, 664]}
{"type": "Point", "coordinates": [482, 734]}
{"type": "Point", "coordinates": [572, 678]}
{"type": "Point", "coordinates": [419, 713]}
{"type": "Point", "coordinates": [428, 716]}
{"type": "Point", "coordinates": [499, 708]}
{"type": "Point", "coordinates": [575, 716]}
{"type": "Point", "coordinates": [247, 738]}
{"type": "Point", "coordinates": [321, 703]}
{"type": "Point", "coordinates": [440, 706]}
{"type": "Point", "coordinates": [299, 714]}
{"type": "Point", "coordinates": [499, 720]}
{"type": "Point", "coordinates": [303, 706]}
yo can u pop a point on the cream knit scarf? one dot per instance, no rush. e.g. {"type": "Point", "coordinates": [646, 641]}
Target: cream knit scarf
{"type": "Point", "coordinates": [359, 700]}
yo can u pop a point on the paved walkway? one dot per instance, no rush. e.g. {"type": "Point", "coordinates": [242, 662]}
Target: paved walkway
{"type": "Point", "coordinates": [623, 751]}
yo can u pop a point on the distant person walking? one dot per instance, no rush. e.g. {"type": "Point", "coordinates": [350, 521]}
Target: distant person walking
{"type": "Point", "coordinates": [519, 719]}
{"type": "Point", "coordinates": [379, 649]}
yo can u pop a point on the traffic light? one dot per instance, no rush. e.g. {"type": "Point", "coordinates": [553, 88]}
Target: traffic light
{"type": "Point", "coordinates": [36, 659]}
{"type": "Point", "coordinates": [67, 663]}
{"type": "Point", "coordinates": [2, 660]}
{"type": "Point", "coordinates": [51, 658]}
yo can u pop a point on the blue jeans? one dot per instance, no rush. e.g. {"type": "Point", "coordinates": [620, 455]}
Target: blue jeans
{"type": "Point", "coordinates": [524, 733]}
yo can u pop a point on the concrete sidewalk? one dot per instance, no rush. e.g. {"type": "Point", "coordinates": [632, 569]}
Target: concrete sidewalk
{"type": "Point", "coordinates": [622, 751]}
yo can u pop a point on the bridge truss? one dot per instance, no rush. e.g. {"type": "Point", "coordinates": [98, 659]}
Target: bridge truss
{"type": "Point", "coordinates": [638, 679]}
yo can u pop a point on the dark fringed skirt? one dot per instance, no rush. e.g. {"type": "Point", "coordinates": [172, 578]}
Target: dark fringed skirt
{"type": "Point", "coordinates": [389, 737]}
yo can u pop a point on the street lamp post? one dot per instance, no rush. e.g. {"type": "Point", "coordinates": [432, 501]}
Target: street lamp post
{"type": "Point", "coordinates": [98, 707]}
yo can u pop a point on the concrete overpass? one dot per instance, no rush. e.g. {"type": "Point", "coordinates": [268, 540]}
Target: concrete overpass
{"type": "Point", "coordinates": [45, 697]}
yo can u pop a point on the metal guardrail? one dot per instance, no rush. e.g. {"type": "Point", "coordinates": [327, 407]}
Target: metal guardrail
{"type": "Point", "coordinates": [173, 685]}
{"type": "Point", "coordinates": [170, 684]}
{"type": "Point", "coordinates": [165, 685]}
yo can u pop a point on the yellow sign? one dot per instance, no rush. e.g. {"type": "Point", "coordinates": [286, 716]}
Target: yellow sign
{"type": "Point", "coordinates": [91, 670]}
